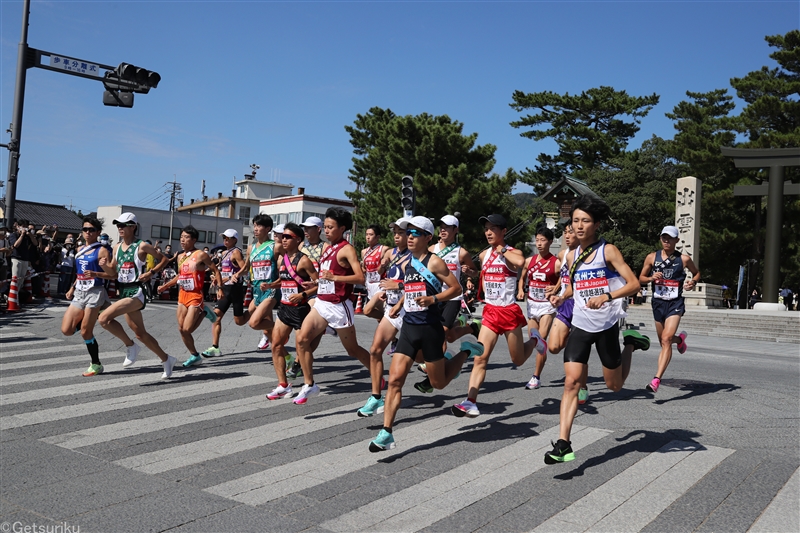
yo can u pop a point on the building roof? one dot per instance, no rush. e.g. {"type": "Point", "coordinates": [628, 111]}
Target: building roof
{"type": "Point", "coordinates": [307, 198]}
{"type": "Point", "coordinates": [217, 201]}
{"type": "Point", "coordinates": [46, 214]}
{"type": "Point", "coordinates": [575, 186]}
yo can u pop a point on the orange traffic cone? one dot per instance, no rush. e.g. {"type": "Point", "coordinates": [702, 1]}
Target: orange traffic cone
{"type": "Point", "coordinates": [359, 306]}
{"type": "Point", "coordinates": [13, 296]}
{"type": "Point", "coordinates": [28, 288]}
{"type": "Point", "coordinates": [248, 297]}
{"type": "Point", "coordinates": [112, 289]}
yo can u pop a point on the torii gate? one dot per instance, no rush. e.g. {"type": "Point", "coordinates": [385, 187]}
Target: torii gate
{"type": "Point", "coordinates": [776, 159]}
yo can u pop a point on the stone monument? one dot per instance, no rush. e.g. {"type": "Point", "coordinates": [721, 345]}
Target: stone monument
{"type": "Point", "coordinates": [688, 197]}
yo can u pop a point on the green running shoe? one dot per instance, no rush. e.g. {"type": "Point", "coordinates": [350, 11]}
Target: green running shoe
{"type": "Point", "coordinates": [639, 341]}
{"type": "Point", "coordinates": [193, 360]}
{"type": "Point", "coordinates": [372, 407]}
{"type": "Point", "coordinates": [583, 395]}
{"type": "Point", "coordinates": [211, 352]}
{"type": "Point", "coordinates": [562, 452]}
{"type": "Point", "coordinates": [93, 370]}
{"type": "Point", "coordinates": [424, 386]}
{"type": "Point", "coordinates": [384, 441]}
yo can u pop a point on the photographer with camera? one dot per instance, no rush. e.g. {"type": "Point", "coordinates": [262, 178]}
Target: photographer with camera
{"type": "Point", "coordinates": [23, 249]}
{"type": "Point", "coordinates": [66, 265]}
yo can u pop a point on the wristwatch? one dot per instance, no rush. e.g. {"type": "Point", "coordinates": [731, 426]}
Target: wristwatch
{"type": "Point", "coordinates": [401, 286]}
{"type": "Point", "coordinates": [609, 296]}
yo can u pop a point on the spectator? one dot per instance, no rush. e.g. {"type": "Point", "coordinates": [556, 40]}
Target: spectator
{"type": "Point", "coordinates": [755, 297]}
{"type": "Point", "coordinates": [66, 266]}
{"type": "Point", "coordinates": [24, 247]}
{"type": "Point", "coordinates": [5, 253]}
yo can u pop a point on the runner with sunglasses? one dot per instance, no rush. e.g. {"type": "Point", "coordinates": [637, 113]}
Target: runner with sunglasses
{"type": "Point", "coordinates": [600, 280]}
{"type": "Point", "coordinates": [501, 314]}
{"type": "Point", "coordinates": [295, 271]}
{"type": "Point", "coordinates": [88, 294]}
{"type": "Point", "coordinates": [422, 336]}
{"type": "Point", "coordinates": [339, 270]}
{"type": "Point", "coordinates": [390, 298]}
{"type": "Point", "coordinates": [129, 258]}
{"type": "Point", "coordinates": [233, 268]}
{"type": "Point", "coordinates": [192, 266]}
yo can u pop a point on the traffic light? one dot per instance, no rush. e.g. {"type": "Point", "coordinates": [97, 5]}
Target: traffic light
{"type": "Point", "coordinates": [407, 196]}
{"type": "Point", "coordinates": [143, 78]}
{"type": "Point", "coordinates": [125, 80]}
{"type": "Point", "coordinates": [118, 98]}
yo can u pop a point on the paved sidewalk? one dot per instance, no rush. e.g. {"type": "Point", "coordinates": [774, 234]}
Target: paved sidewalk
{"type": "Point", "coordinates": [716, 449]}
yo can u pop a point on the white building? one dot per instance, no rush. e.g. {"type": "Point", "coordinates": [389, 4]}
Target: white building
{"type": "Point", "coordinates": [298, 207]}
{"type": "Point", "coordinates": [156, 225]}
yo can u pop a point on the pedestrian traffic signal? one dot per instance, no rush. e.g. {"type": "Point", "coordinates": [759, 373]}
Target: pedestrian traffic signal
{"type": "Point", "coordinates": [407, 196]}
{"type": "Point", "coordinates": [118, 98]}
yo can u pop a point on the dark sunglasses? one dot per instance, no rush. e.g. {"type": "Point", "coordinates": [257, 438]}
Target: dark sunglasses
{"type": "Point", "coordinates": [120, 226]}
{"type": "Point", "coordinates": [289, 236]}
{"type": "Point", "coordinates": [416, 233]}
{"type": "Point", "coordinates": [89, 230]}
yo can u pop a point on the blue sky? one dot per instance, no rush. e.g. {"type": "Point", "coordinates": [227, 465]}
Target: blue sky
{"type": "Point", "coordinates": [274, 83]}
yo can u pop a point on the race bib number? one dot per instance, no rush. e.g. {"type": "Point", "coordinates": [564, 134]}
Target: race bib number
{"type": "Point", "coordinates": [587, 289]}
{"type": "Point", "coordinates": [186, 282]}
{"type": "Point", "coordinates": [226, 273]}
{"type": "Point", "coordinates": [84, 282]}
{"type": "Point", "coordinates": [262, 270]}
{"type": "Point", "coordinates": [414, 289]}
{"type": "Point", "coordinates": [325, 286]}
{"type": "Point", "coordinates": [127, 273]}
{"type": "Point", "coordinates": [537, 291]}
{"type": "Point", "coordinates": [493, 286]}
{"type": "Point", "coordinates": [288, 288]}
{"type": "Point", "coordinates": [666, 289]}
{"type": "Point", "coordinates": [373, 277]}
{"type": "Point", "coordinates": [392, 297]}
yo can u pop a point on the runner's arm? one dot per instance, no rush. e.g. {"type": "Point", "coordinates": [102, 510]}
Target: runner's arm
{"type": "Point", "coordinates": [439, 269]}
{"type": "Point", "coordinates": [647, 268]}
{"type": "Point", "coordinates": [523, 278]}
{"type": "Point", "coordinates": [467, 264]}
{"type": "Point", "coordinates": [689, 264]}
{"type": "Point", "coordinates": [632, 285]}
{"type": "Point", "coordinates": [306, 265]}
{"type": "Point", "coordinates": [348, 253]}
{"type": "Point", "coordinates": [513, 257]}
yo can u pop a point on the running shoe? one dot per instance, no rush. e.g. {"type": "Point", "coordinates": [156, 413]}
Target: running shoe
{"type": "Point", "coordinates": [384, 441]}
{"type": "Point", "coordinates": [130, 357]}
{"type": "Point", "coordinates": [211, 352]}
{"type": "Point", "coordinates": [653, 385]}
{"type": "Point", "coordinates": [424, 386]}
{"type": "Point", "coordinates": [633, 337]}
{"type": "Point", "coordinates": [372, 407]}
{"type": "Point", "coordinates": [263, 344]}
{"type": "Point", "coordinates": [305, 393]}
{"type": "Point", "coordinates": [210, 314]}
{"type": "Point", "coordinates": [562, 452]}
{"type": "Point", "coordinates": [475, 324]}
{"type": "Point", "coordinates": [465, 408]}
{"type": "Point", "coordinates": [384, 384]}
{"type": "Point", "coordinates": [289, 361]}
{"type": "Point", "coordinates": [583, 395]}
{"type": "Point", "coordinates": [392, 347]}
{"type": "Point", "coordinates": [280, 392]}
{"type": "Point", "coordinates": [93, 370]}
{"type": "Point", "coordinates": [461, 320]}
{"type": "Point", "coordinates": [541, 344]}
{"type": "Point", "coordinates": [534, 383]}
{"type": "Point", "coordinates": [295, 371]}
{"type": "Point", "coordinates": [193, 360]}
{"type": "Point", "coordinates": [168, 365]}
{"type": "Point", "coordinates": [682, 345]}
{"type": "Point", "coordinates": [422, 368]}
{"type": "Point", "coordinates": [475, 349]}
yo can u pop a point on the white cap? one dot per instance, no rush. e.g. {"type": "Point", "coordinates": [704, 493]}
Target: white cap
{"type": "Point", "coordinates": [125, 218]}
{"type": "Point", "coordinates": [277, 230]}
{"type": "Point", "coordinates": [311, 221]}
{"type": "Point", "coordinates": [400, 223]}
{"type": "Point", "coordinates": [672, 231]}
{"type": "Point", "coordinates": [423, 223]}
{"type": "Point", "coordinates": [449, 220]}
{"type": "Point", "coordinates": [232, 233]}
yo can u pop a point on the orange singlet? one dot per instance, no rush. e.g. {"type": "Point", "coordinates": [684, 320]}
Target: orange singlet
{"type": "Point", "coordinates": [191, 280]}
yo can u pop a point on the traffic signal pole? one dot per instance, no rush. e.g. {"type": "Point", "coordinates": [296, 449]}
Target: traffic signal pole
{"type": "Point", "coordinates": [16, 119]}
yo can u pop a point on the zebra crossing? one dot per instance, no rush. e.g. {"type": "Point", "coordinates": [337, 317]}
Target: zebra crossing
{"type": "Point", "coordinates": [212, 430]}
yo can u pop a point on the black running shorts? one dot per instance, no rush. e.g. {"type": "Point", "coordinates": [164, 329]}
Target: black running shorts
{"type": "Point", "coordinates": [579, 346]}
{"type": "Point", "coordinates": [232, 295]}
{"type": "Point", "coordinates": [663, 309]}
{"type": "Point", "coordinates": [425, 337]}
{"type": "Point", "coordinates": [450, 310]}
{"type": "Point", "coordinates": [293, 315]}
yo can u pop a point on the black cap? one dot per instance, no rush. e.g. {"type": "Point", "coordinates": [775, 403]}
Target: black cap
{"type": "Point", "coordinates": [497, 220]}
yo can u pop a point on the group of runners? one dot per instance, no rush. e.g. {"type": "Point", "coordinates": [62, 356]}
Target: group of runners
{"type": "Point", "coordinates": [413, 291]}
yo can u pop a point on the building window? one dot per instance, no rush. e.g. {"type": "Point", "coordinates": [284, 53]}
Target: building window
{"type": "Point", "coordinates": [295, 217]}
{"type": "Point", "coordinates": [155, 232]}
{"type": "Point", "coordinates": [210, 211]}
{"type": "Point", "coordinates": [211, 237]}
{"type": "Point", "coordinates": [307, 214]}
{"type": "Point", "coordinates": [244, 215]}
{"type": "Point", "coordinates": [223, 211]}
{"type": "Point", "coordinates": [176, 233]}
{"type": "Point", "coordinates": [245, 239]}
{"type": "Point", "coordinates": [201, 236]}
{"type": "Point", "coordinates": [241, 189]}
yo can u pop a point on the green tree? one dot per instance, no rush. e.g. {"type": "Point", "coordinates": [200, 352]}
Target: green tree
{"type": "Point", "coordinates": [639, 187]}
{"type": "Point", "coordinates": [451, 172]}
{"type": "Point", "coordinates": [771, 118]}
{"type": "Point", "coordinates": [589, 129]}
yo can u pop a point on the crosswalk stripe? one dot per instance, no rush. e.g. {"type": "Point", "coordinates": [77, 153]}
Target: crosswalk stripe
{"type": "Point", "coordinates": [96, 384]}
{"type": "Point", "coordinates": [636, 496]}
{"type": "Point", "coordinates": [781, 514]}
{"type": "Point", "coordinates": [38, 363]}
{"type": "Point", "coordinates": [171, 392]}
{"type": "Point", "coordinates": [438, 497]}
{"type": "Point", "coordinates": [10, 334]}
{"type": "Point", "coordinates": [259, 488]}
{"type": "Point", "coordinates": [130, 428]}
{"type": "Point", "coordinates": [6, 381]}
{"type": "Point", "coordinates": [4, 355]}
{"type": "Point", "coordinates": [215, 447]}
{"type": "Point", "coordinates": [21, 344]}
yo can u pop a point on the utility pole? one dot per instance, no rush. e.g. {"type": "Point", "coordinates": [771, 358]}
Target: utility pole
{"type": "Point", "coordinates": [175, 195]}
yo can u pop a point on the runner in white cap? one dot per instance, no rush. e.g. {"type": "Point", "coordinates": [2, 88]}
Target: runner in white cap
{"type": "Point", "coordinates": [233, 268]}
{"type": "Point", "coordinates": [666, 268]}
{"type": "Point", "coordinates": [128, 261]}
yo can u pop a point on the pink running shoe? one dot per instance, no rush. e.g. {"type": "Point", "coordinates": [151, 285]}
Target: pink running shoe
{"type": "Point", "coordinates": [653, 385]}
{"type": "Point", "coordinates": [682, 345]}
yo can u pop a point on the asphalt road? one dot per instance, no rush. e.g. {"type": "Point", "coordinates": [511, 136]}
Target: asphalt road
{"type": "Point", "coordinates": [716, 449]}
